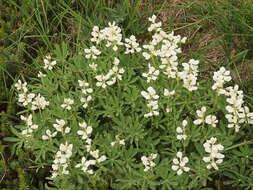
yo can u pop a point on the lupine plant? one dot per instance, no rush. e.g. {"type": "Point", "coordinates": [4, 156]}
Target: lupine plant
{"type": "Point", "coordinates": [129, 116]}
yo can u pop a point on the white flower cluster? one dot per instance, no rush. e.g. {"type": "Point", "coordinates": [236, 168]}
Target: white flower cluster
{"type": "Point", "coordinates": [221, 77]}
{"type": "Point", "coordinates": [29, 125]}
{"type": "Point", "coordinates": [86, 91]}
{"type": "Point", "coordinates": [148, 161]}
{"type": "Point", "coordinates": [152, 73]}
{"type": "Point", "coordinates": [166, 46]}
{"type": "Point", "coordinates": [48, 63]}
{"type": "Point", "coordinates": [118, 140]}
{"type": "Point", "coordinates": [189, 74]}
{"type": "Point", "coordinates": [169, 47]}
{"type": "Point", "coordinates": [85, 133]}
{"type": "Point", "coordinates": [93, 52]}
{"type": "Point", "coordinates": [213, 149]}
{"type": "Point", "coordinates": [131, 45]}
{"type": "Point", "coordinates": [237, 113]}
{"type": "Point", "coordinates": [111, 34]}
{"type": "Point", "coordinates": [24, 97]}
{"type": "Point", "coordinates": [61, 160]}
{"type": "Point", "coordinates": [111, 77]}
{"type": "Point", "coordinates": [152, 97]}
{"type": "Point", "coordinates": [86, 163]}
{"type": "Point", "coordinates": [169, 65]}
{"type": "Point", "coordinates": [67, 103]}
{"type": "Point", "coordinates": [49, 135]}
{"type": "Point", "coordinates": [179, 164]}
{"type": "Point", "coordinates": [209, 119]}
{"type": "Point", "coordinates": [181, 131]}
{"type": "Point", "coordinates": [59, 126]}
{"type": "Point", "coordinates": [39, 102]}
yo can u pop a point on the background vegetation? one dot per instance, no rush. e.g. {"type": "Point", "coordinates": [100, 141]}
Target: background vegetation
{"type": "Point", "coordinates": [220, 32]}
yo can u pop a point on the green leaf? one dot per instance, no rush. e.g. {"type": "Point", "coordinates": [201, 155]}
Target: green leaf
{"type": "Point", "coordinates": [11, 139]}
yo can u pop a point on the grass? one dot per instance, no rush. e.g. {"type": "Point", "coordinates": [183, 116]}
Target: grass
{"type": "Point", "coordinates": [219, 33]}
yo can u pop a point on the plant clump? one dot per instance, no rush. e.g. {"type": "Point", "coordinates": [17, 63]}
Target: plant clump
{"type": "Point", "coordinates": [99, 113]}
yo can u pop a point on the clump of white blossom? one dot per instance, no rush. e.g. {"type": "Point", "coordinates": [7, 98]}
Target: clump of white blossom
{"type": "Point", "coordinates": [67, 103]}
{"type": "Point", "coordinates": [111, 35]}
{"type": "Point", "coordinates": [111, 77]}
{"type": "Point", "coordinates": [62, 160]}
{"type": "Point", "coordinates": [49, 135]}
{"type": "Point", "coordinates": [86, 91]}
{"type": "Point", "coordinates": [214, 157]}
{"type": "Point", "coordinates": [49, 65]}
{"type": "Point", "coordinates": [86, 130]}
{"type": "Point", "coordinates": [181, 131]}
{"type": "Point", "coordinates": [152, 73]}
{"type": "Point", "coordinates": [59, 126]}
{"type": "Point", "coordinates": [148, 161]}
{"type": "Point", "coordinates": [131, 45]}
{"type": "Point", "coordinates": [237, 113]}
{"type": "Point", "coordinates": [152, 98]}
{"type": "Point", "coordinates": [189, 74]}
{"type": "Point", "coordinates": [39, 102]}
{"type": "Point", "coordinates": [221, 77]}
{"type": "Point", "coordinates": [93, 52]}
{"type": "Point", "coordinates": [29, 125]}
{"type": "Point", "coordinates": [179, 164]}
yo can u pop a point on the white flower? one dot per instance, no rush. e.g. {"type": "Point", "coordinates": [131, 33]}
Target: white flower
{"type": "Point", "coordinates": [131, 45]}
{"type": "Point", "coordinates": [39, 102]}
{"type": "Point", "coordinates": [146, 55]}
{"type": "Point", "coordinates": [49, 135]}
{"type": "Point", "coordinates": [86, 130]}
{"type": "Point", "coordinates": [48, 63]}
{"type": "Point", "coordinates": [150, 94]}
{"type": "Point", "coordinates": [189, 74]}
{"type": "Point", "coordinates": [85, 164]}
{"type": "Point", "coordinates": [221, 77]}
{"type": "Point", "coordinates": [201, 115]}
{"type": "Point", "coordinates": [21, 86]}
{"type": "Point", "coordinates": [59, 125]}
{"type": "Point", "coordinates": [213, 149]}
{"type": "Point", "coordinates": [101, 80]}
{"type": "Point", "coordinates": [152, 19]}
{"type": "Point", "coordinates": [93, 52]}
{"type": "Point", "coordinates": [93, 66]}
{"type": "Point", "coordinates": [211, 120]}
{"type": "Point", "coordinates": [148, 161]}
{"type": "Point", "coordinates": [95, 153]}
{"type": "Point", "coordinates": [61, 160]}
{"type": "Point", "coordinates": [41, 75]}
{"type": "Point", "coordinates": [179, 164]}
{"type": "Point", "coordinates": [28, 119]}
{"type": "Point", "coordinates": [152, 73]}
{"type": "Point", "coordinates": [181, 131]}
{"type": "Point", "coordinates": [112, 35]}
{"type": "Point", "coordinates": [85, 101]}
{"type": "Point", "coordinates": [168, 93]}
{"type": "Point", "coordinates": [97, 36]}
{"type": "Point", "coordinates": [152, 103]}
{"type": "Point", "coordinates": [67, 103]}
{"type": "Point", "coordinates": [26, 98]}
{"type": "Point", "coordinates": [102, 158]}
